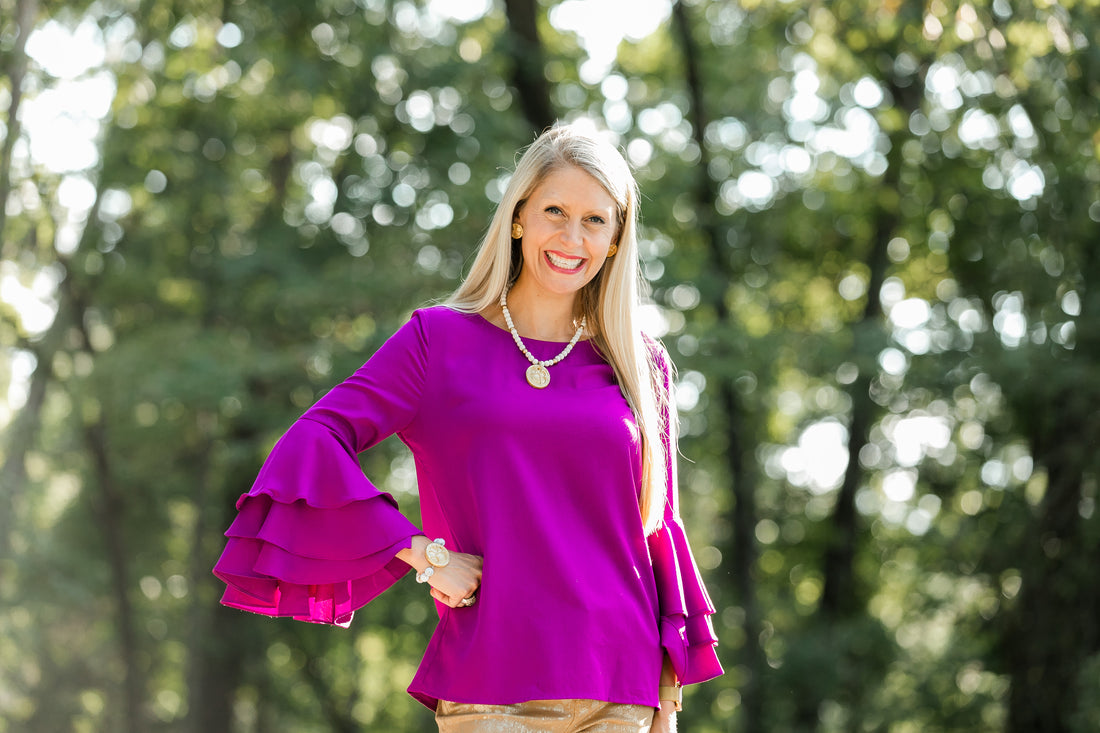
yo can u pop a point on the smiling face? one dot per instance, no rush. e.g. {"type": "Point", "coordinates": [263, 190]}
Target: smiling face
{"type": "Point", "coordinates": [569, 222]}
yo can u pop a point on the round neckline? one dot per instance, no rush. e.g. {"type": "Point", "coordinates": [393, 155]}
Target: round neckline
{"type": "Point", "coordinates": [526, 339]}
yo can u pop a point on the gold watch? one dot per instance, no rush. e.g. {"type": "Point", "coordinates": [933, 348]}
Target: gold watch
{"type": "Point", "coordinates": [437, 555]}
{"type": "Point", "coordinates": [674, 695]}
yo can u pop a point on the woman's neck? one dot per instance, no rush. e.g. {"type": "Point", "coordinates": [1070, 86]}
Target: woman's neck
{"type": "Point", "coordinates": [543, 316]}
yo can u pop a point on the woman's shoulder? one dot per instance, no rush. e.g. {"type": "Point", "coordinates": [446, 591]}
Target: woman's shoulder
{"type": "Point", "coordinates": [442, 322]}
{"type": "Point", "coordinates": [442, 314]}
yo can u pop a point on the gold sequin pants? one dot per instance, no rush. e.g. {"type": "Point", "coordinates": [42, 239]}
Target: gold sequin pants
{"type": "Point", "coordinates": [544, 716]}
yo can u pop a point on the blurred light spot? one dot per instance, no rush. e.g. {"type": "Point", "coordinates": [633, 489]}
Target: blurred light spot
{"type": "Point", "coordinates": [229, 35]}
{"type": "Point", "coordinates": [867, 93]}
{"type": "Point", "coordinates": [177, 586]}
{"type": "Point", "coordinates": [76, 193]}
{"type": "Point", "coordinates": [995, 473]}
{"type": "Point", "coordinates": [184, 34]}
{"type": "Point", "coordinates": [1025, 181]}
{"type": "Point", "coordinates": [684, 296]}
{"type": "Point", "coordinates": [910, 313]}
{"type": "Point", "coordinates": [155, 181]}
{"type": "Point", "coordinates": [847, 373]}
{"type": "Point", "coordinates": [459, 174]}
{"type": "Point", "coordinates": [795, 160]}
{"type": "Point", "coordinates": [460, 11]}
{"type": "Point", "coordinates": [36, 307]}
{"type": "Point", "coordinates": [65, 53]}
{"type": "Point", "coordinates": [334, 134]}
{"type": "Point", "coordinates": [897, 249]}
{"type": "Point", "coordinates": [1071, 303]}
{"type": "Point", "coordinates": [755, 187]}
{"type": "Point", "coordinates": [767, 531]}
{"type": "Point", "coordinates": [808, 591]}
{"type": "Point", "coordinates": [653, 321]}
{"type": "Point", "coordinates": [893, 361]}
{"type": "Point", "coordinates": [151, 587]}
{"type": "Point", "coordinates": [404, 195]}
{"type": "Point", "coordinates": [469, 50]}
{"type": "Point", "coordinates": [429, 257]}
{"type": "Point", "coordinates": [819, 459]}
{"type": "Point", "coordinates": [978, 129]}
{"type": "Point", "coordinates": [710, 557]}
{"type": "Point", "coordinates": [891, 292]}
{"type": "Point", "coordinates": [168, 705]}
{"type": "Point", "coordinates": [971, 502]}
{"type": "Point", "coordinates": [852, 287]}
{"type": "Point", "coordinates": [913, 436]}
{"type": "Point", "coordinates": [899, 485]}
{"type": "Point", "coordinates": [972, 435]}
{"type": "Point", "coordinates": [1019, 122]}
{"type": "Point", "coordinates": [601, 25]}
{"type": "Point", "coordinates": [640, 152]}
{"type": "Point", "coordinates": [614, 87]}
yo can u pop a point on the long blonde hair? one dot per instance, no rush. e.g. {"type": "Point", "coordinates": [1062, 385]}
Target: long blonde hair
{"type": "Point", "coordinates": [610, 302]}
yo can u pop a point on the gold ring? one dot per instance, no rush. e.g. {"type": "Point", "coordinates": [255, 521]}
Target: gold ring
{"type": "Point", "coordinates": [468, 600]}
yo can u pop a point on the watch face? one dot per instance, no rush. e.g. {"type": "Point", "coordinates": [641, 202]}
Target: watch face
{"type": "Point", "coordinates": [437, 554]}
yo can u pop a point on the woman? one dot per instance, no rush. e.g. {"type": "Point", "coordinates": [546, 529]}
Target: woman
{"type": "Point", "coordinates": [544, 436]}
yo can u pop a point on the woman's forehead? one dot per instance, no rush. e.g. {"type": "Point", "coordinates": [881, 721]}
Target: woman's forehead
{"type": "Point", "coordinates": [574, 183]}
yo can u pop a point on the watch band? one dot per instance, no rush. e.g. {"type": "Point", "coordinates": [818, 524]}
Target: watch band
{"type": "Point", "coordinates": [674, 695]}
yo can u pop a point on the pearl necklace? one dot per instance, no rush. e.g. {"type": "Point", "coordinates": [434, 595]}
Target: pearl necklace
{"type": "Point", "coordinates": [537, 374]}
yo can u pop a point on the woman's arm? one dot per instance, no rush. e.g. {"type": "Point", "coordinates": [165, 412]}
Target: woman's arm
{"type": "Point", "coordinates": [314, 539]}
{"type": "Point", "coordinates": [664, 721]}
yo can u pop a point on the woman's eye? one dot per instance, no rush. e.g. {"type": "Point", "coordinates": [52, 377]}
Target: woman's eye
{"type": "Point", "coordinates": [597, 220]}
{"type": "Point", "coordinates": [553, 210]}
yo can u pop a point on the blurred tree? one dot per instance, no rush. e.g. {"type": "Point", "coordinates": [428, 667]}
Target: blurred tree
{"type": "Point", "coordinates": [868, 227]}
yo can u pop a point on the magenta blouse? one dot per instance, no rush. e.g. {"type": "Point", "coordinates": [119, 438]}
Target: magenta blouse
{"type": "Point", "coordinates": [575, 601]}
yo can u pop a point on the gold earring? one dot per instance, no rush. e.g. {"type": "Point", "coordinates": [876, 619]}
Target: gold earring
{"type": "Point", "coordinates": [612, 250]}
{"type": "Point", "coordinates": [517, 230]}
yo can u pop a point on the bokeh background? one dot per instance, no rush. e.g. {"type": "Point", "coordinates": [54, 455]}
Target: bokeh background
{"type": "Point", "coordinates": [871, 233]}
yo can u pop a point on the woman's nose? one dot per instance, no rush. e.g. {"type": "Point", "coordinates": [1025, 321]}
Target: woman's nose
{"type": "Point", "coordinates": [572, 234]}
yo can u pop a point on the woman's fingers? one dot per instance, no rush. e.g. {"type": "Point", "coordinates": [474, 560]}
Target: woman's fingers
{"type": "Point", "coordinates": [458, 580]}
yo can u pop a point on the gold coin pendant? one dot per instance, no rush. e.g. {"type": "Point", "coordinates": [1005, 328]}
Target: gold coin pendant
{"type": "Point", "coordinates": [538, 376]}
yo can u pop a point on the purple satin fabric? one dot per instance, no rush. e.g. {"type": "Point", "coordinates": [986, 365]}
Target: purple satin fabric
{"type": "Point", "coordinates": [575, 601]}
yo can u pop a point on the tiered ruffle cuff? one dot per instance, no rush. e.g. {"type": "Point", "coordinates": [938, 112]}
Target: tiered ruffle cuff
{"type": "Point", "coordinates": [313, 539]}
{"type": "Point", "coordinates": [686, 630]}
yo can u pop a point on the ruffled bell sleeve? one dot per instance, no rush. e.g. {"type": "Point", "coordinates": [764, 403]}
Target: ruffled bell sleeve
{"type": "Point", "coordinates": [314, 539]}
{"type": "Point", "coordinates": [687, 633]}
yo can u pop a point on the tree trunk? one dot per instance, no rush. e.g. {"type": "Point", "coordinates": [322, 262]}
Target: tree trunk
{"type": "Point", "coordinates": [25, 12]}
{"type": "Point", "coordinates": [528, 63]}
{"type": "Point", "coordinates": [1056, 625]}
{"type": "Point", "coordinates": [743, 517]}
{"type": "Point", "coordinates": [840, 596]}
{"type": "Point", "coordinates": [23, 431]}
{"type": "Point", "coordinates": [110, 511]}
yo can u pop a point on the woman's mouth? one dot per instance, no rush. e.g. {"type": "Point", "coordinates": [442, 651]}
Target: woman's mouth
{"type": "Point", "coordinates": [564, 264]}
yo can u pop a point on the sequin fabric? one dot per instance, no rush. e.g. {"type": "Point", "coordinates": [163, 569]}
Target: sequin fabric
{"type": "Point", "coordinates": [544, 716]}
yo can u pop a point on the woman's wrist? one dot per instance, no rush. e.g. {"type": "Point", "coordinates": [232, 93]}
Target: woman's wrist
{"type": "Point", "coordinates": [414, 554]}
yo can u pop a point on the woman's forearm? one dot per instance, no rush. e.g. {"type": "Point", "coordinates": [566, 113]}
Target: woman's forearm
{"type": "Point", "coordinates": [668, 675]}
{"type": "Point", "coordinates": [414, 555]}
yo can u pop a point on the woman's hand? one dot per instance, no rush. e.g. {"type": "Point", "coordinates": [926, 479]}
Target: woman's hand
{"type": "Point", "coordinates": [664, 721]}
{"type": "Point", "coordinates": [458, 579]}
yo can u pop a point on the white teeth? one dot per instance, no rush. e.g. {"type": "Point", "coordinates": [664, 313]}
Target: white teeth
{"type": "Point", "coordinates": [562, 262]}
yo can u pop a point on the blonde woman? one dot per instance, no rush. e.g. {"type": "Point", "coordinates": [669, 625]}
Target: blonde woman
{"type": "Point", "coordinates": [544, 434]}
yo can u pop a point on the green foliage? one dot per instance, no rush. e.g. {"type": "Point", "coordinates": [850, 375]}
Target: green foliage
{"type": "Point", "coordinates": [869, 221]}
